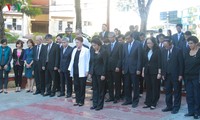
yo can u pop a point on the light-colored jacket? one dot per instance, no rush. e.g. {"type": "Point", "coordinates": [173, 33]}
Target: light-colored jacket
{"type": "Point", "coordinates": [83, 65]}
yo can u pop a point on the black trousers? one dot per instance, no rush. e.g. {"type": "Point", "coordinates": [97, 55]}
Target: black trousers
{"type": "Point", "coordinates": [18, 70]}
{"type": "Point", "coordinates": [193, 96]}
{"type": "Point", "coordinates": [114, 85]}
{"type": "Point", "coordinates": [57, 80]}
{"type": "Point", "coordinates": [152, 89]}
{"type": "Point", "coordinates": [79, 87]}
{"type": "Point", "coordinates": [37, 72]}
{"type": "Point", "coordinates": [141, 82]}
{"type": "Point", "coordinates": [173, 87]}
{"type": "Point", "coordinates": [50, 81]}
{"type": "Point", "coordinates": [131, 83]}
{"type": "Point", "coordinates": [98, 91]}
{"type": "Point", "coordinates": [65, 79]}
{"type": "Point", "coordinates": [3, 83]}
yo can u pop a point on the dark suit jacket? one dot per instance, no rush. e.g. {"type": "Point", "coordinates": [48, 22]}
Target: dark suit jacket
{"type": "Point", "coordinates": [114, 56]}
{"type": "Point", "coordinates": [133, 61]}
{"type": "Point", "coordinates": [15, 58]}
{"type": "Point", "coordinates": [176, 63]}
{"type": "Point", "coordinates": [41, 56]}
{"type": "Point", "coordinates": [105, 35]}
{"type": "Point", "coordinates": [65, 58]}
{"type": "Point", "coordinates": [178, 43]}
{"type": "Point", "coordinates": [151, 66]}
{"type": "Point", "coordinates": [54, 57]}
{"type": "Point", "coordinates": [98, 62]}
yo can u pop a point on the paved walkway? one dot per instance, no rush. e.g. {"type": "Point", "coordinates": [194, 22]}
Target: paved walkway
{"type": "Point", "coordinates": [25, 106]}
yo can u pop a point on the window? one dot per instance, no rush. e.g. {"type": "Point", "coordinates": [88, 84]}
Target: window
{"type": "Point", "coordinates": [9, 27]}
{"type": "Point", "coordinates": [14, 21]}
{"type": "Point", "coordinates": [19, 27]}
{"type": "Point", "coordinates": [60, 25]}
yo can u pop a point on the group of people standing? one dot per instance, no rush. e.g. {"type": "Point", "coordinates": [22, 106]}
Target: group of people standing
{"type": "Point", "coordinates": [117, 64]}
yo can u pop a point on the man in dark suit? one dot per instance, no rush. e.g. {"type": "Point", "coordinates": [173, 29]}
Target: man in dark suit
{"type": "Point", "coordinates": [178, 38]}
{"type": "Point", "coordinates": [114, 50]}
{"type": "Point", "coordinates": [131, 68]}
{"type": "Point", "coordinates": [51, 65]}
{"type": "Point", "coordinates": [38, 55]}
{"type": "Point", "coordinates": [104, 34]}
{"type": "Point", "coordinates": [172, 74]}
{"type": "Point", "coordinates": [142, 37]}
{"type": "Point", "coordinates": [65, 79]}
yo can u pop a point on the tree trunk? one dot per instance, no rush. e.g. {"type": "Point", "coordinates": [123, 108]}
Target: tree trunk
{"type": "Point", "coordinates": [143, 25]}
{"type": "Point", "coordinates": [2, 33]}
{"type": "Point", "coordinates": [78, 14]}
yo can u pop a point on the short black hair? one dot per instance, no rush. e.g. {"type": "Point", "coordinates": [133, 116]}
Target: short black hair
{"type": "Point", "coordinates": [167, 39]}
{"type": "Point", "coordinates": [142, 34]}
{"type": "Point", "coordinates": [180, 25]}
{"type": "Point", "coordinates": [188, 33]}
{"type": "Point", "coordinates": [161, 35]}
{"type": "Point", "coordinates": [160, 30]}
{"type": "Point", "coordinates": [194, 39]}
{"type": "Point", "coordinates": [48, 36]}
{"type": "Point", "coordinates": [20, 42]}
{"type": "Point", "coordinates": [59, 35]}
{"type": "Point", "coordinates": [121, 36]}
{"type": "Point", "coordinates": [4, 40]}
{"type": "Point", "coordinates": [97, 41]}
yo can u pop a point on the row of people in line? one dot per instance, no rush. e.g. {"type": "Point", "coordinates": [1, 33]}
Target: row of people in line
{"type": "Point", "coordinates": [102, 62]}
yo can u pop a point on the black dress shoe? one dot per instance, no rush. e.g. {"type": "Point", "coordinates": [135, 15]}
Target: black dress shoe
{"type": "Point", "coordinates": [98, 108]}
{"type": "Point", "coordinates": [167, 109]}
{"type": "Point", "coordinates": [28, 91]}
{"type": "Point", "coordinates": [46, 94]}
{"type": "Point", "coordinates": [109, 100]}
{"type": "Point", "coordinates": [42, 93]}
{"type": "Point", "coordinates": [174, 111]}
{"type": "Point", "coordinates": [196, 116]}
{"type": "Point", "coordinates": [37, 92]}
{"type": "Point", "coordinates": [60, 95]}
{"type": "Point", "coordinates": [134, 105]}
{"type": "Point", "coordinates": [146, 106]}
{"type": "Point", "coordinates": [92, 108]}
{"type": "Point", "coordinates": [68, 96]}
{"type": "Point", "coordinates": [189, 115]}
{"type": "Point", "coordinates": [127, 103]}
{"type": "Point", "coordinates": [80, 104]}
{"type": "Point", "coordinates": [76, 104]}
{"type": "Point", "coordinates": [1, 91]}
{"type": "Point", "coordinates": [52, 95]}
{"type": "Point", "coordinates": [115, 101]}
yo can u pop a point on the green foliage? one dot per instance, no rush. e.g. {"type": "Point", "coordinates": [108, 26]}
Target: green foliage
{"type": "Point", "coordinates": [22, 6]}
{"type": "Point", "coordinates": [12, 38]}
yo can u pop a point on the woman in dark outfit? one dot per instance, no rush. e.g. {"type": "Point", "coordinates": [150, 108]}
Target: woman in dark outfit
{"type": "Point", "coordinates": [5, 59]}
{"type": "Point", "coordinates": [18, 64]}
{"type": "Point", "coordinates": [79, 68]}
{"type": "Point", "coordinates": [97, 72]}
{"type": "Point", "coordinates": [192, 68]}
{"type": "Point", "coordinates": [152, 73]}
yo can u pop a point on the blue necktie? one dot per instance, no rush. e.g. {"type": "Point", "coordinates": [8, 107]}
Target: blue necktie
{"type": "Point", "coordinates": [129, 48]}
{"type": "Point", "coordinates": [112, 45]}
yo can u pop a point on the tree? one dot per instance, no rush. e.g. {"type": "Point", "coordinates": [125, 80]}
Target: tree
{"type": "Point", "coordinates": [78, 14]}
{"type": "Point", "coordinates": [23, 6]}
{"type": "Point", "coordinates": [140, 6]}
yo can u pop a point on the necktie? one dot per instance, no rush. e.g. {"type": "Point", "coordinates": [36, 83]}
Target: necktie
{"type": "Point", "coordinates": [112, 45]}
{"type": "Point", "coordinates": [169, 55]}
{"type": "Point", "coordinates": [129, 48]}
{"type": "Point", "coordinates": [37, 52]}
{"type": "Point", "coordinates": [48, 50]}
